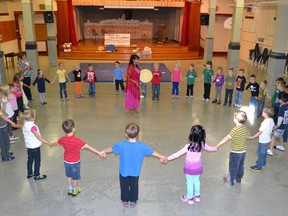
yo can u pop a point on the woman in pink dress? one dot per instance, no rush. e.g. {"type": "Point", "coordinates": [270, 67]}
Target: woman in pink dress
{"type": "Point", "coordinates": [132, 98]}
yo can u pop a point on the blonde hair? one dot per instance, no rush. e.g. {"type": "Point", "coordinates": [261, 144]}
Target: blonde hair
{"type": "Point", "coordinates": [4, 90]}
{"type": "Point", "coordinates": [240, 116]}
{"type": "Point", "coordinates": [29, 115]}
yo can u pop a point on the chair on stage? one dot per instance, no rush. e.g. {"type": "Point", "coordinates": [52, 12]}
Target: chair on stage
{"type": "Point", "coordinates": [111, 48]}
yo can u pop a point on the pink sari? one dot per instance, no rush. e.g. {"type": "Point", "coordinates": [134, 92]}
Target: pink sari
{"type": "Point", "coordinates": [132, 97]}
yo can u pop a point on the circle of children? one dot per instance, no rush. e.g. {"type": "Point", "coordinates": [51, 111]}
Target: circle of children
{"type": "Point", "coordinates": [132, 151]}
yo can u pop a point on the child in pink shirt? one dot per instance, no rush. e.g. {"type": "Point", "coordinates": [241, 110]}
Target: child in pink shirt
{"type": "Point", "coordinates": [193, 166]}
{"type": "Point", "coordinates": [176, 76]}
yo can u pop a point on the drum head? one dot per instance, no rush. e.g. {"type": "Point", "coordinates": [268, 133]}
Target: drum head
{"type": "Point", "coordinates": [146, 76]}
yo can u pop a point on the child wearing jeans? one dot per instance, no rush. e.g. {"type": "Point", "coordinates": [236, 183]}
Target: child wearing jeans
{"type": "Point", "coordinates": [219, 82]}
{"type": "Point", "coordinates": [156, 73]}
{"type": "Point", "coordinates": [90, 75]}
{"type": "Point", "coordinates": [230, 85]}
{"type": "Point", "coordinates": [176, 76]}
{"type": "Point", "coordinates": [72, 146]}
{"type": "Point", "coordinates": [240, 86]}
{"type": "Point", "coordinates": [253, 86]}
{"type": "Point", "coordinates": [238, 136]}
{"type": "Point", "coordinates": [208, 73]}
{"type": "Point", "coordinates": [62, 76]}
{"type": "Point", "coordinates": [193, 166]}
{"type": "Point", "coordinates": [264, 135]}
{"type": "Point", "coordinates": [33, 141]}
{"type": "Point", "coordinates": [13, 101]}
{"type": "Point", "coordinates": [118, 77]}
{"type": "Point", "coordinates": [262, 97]}
{"type": "Point", "coordinates": [132, 153]}
{"type": "Point", "coordinates": [40, 80]}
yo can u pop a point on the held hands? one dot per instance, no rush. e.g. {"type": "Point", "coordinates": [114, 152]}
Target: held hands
{"type": "Point", "coordinates": [163, 160]}
{"type": "Point", "coordinates": [102, 155]}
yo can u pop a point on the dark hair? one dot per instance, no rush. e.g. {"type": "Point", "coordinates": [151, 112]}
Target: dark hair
{"type": "Point", "coordinates": [282, 83]}
{"type": "Point", "coordinates": [89, 65]}
{"type": "Point", "coordinates": [117, 62]}
{"type": "Point", "coordinates": [252, 76]}
{"type": "Point", "coordinates": [132, 58]}
{"type": "Point", "coordinates": [232, 69]}
{"type": "Point", "coordinates": [132, 130]}
{"type": "Point", "coordinates": [241, 69]}
{"type": "Point", "coordinates": [279, 79]}
{"type": "Point", "coordinates": [68, 125]}
{"type": "Point", "coordinates": [21, 54]}
{"type": "Point", "coordinates": [265, 82]}
{"type": "Point", "coordinates": [16, 77]}
{"type": "Point", "coordinates": [197, 138]}
{"type": "Point", "coordinates": [283, 96]}
{"type": "Point", "coordinates": [209, 63]}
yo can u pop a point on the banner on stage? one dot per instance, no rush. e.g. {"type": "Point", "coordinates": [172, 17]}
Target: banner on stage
{"type": "Point", "coordinates": [117, 39]}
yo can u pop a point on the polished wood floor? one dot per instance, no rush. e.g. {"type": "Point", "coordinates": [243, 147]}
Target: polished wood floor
{"type": "Point", "coordinates": [170, 50]}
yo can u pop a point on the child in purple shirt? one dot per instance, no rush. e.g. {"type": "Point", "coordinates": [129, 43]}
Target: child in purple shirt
{"type": "Point", "coordinates": [193, 166]}
{"type": "Point", "coordinates": [219, 82]}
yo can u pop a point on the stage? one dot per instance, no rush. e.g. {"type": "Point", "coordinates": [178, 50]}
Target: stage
{"type": "Point", "coordinates": [170, 50]}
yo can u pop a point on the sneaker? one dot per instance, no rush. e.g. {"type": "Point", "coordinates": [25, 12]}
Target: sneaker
{"type": "Point", "coordinates": [197, 198]}
{"type": "Point", "coordinates": [117, 93]}
{"type": "Point", "coordinates": [225, 104]}
{"type": "Point", "coordinates": [255, 169]}
{"type": "Point", "coordinates": [30, 176]}
{"type": "Point", "coordinates": [123, 91]}
{"type": "Point", "coordinates": [26, 107]}
{"type": "Point", "coordinates": [214, 101]}
{"type": "Point", "coordinates": [207, 100]}
{"type": "Point", "coordinates": [191, 96]}
{"type": "Point", "coordinates": [13, 138]}
{"type": "Point", "coordinates": [219, 102]}
{"type": "Point", "coordinates": [125, 204]}
{"type": "Point", "coordinates": [40, 177]}
{"type": "Point", "coordinates": [229, 104]}
{"type": "Point", "coordinates": [142, 96]}
{"type": "Point", "coordinates": [62, 99]}
{"type": "Point", "coordinates": [235, 105]}
{"type": "Point", "coordinates": [12, 141]}
{"type": "Point", "coordinates": [172, 96]}
{"type": "Point", "coordinates": [269, 152]}
{"type": "Point", "coordinates": [75, 193]}
{"type": "Point", "coordinates": [280, 148]}
{"type": "Point", "coordinates": [133, 204]}
{"type": "Point", "coordinates": [177, 96]}
{"type": "Point", "coordinates": [203, 98]}
{"type": "Point", "coordinates": [69, 192]}
{"type": "Point", "coordinates": [184, 198]}
{"type": "Point", "coordinates": [187, 96]}
{"type": "Point", "coordinates": [8, 159]}
{"type": "Point", "coordinates": [190, 201]}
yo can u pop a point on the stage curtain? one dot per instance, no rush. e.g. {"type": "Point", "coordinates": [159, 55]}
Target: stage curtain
{"type": "Point", "coordinates": [72, 32]}
{"type": "Point", "coordinates": [184, 35]}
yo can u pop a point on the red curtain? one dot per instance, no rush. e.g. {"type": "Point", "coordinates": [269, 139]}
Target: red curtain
{"type": "Point", "coordinates": [72, 32]}
{"type": "Point", "coordinates": [185, 23]}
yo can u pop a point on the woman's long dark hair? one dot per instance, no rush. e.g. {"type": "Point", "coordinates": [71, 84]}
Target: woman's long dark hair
{"type": "Point", "coordinates": [132, 58]}
{"type": "Point", "coordinates": [197, 138]}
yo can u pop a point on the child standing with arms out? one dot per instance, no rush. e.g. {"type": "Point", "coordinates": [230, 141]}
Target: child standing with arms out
{"type": "Point", "coordinates": [219, 82]}
{"type": "Point", "coordinates": [72, 146]}
{"type": "Point", "coordinates": [238, 136]}
{"type": "Point", "coordinates": [193, 166]}
{"type": "Point", "coordinates": [91, 80]}
{"type": "Point", "coordinates": [33, 141]}
{"type": "Point", "coordinates": [118, 77]}
{"type": "Point", "coordinates": [253, 86]}
{"type": "Point", "coordinates": [78, 81]}
{"type": "Point", "coordinates": [261, 97]}
{"type": "Point", "coordinates": [18, 91]}
{"type": "Point", "coordinates": [156, 79]}
{"type": "Point", "coordinates": [132, 153]}
{"type": "Point", "coordinates": [62, 76]}
{"type": "Point", "coordinates": [264, 135]}
{"type": "Point", "coordinates": [240, 86]}
{"type": "Point", "coordinates": [190, 75]}
{"type": "Point", "coordinates": [208, 73]}
{"type": "Point", "coordinates": [280, 87]}
{"type": "Point", "coordinates": [40, 80]}
{"type": "Point", "coordinates": [8, 109]}
{"type": "Point", "coordinates": [281, 123]}
{"type": "Point", "coordinates": [176, 76]}
{"type": "Point", "coordinates": [230, 85]}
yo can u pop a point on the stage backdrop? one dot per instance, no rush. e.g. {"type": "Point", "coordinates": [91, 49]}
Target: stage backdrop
{"type": "Point", "coordinates": [105, 71]}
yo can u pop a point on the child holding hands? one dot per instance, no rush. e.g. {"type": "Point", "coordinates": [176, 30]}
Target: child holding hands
{"type": "Point", "coordinates": [72, 146]}
{"type": "Point", "coordinates": [132, 153]}
{"type": "Point", "coordinates": [193, 166]}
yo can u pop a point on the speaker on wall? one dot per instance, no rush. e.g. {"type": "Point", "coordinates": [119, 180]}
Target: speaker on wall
{"type": "Point", "coordinates": [48, 17]}
{"type": "Point", "coordinates": [204, 19]}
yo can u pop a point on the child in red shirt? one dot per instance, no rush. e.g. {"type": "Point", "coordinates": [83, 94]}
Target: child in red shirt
{"type": "Point", "coordinates": [72, 146]}
{"type": "Point", "coordinates": [156, 82]}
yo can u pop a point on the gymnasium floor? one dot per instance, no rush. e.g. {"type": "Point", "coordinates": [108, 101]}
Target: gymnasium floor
{"type": "Point", "coordinates": [165, 124]}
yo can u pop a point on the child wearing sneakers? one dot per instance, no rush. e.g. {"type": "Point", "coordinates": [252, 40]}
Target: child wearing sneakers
{"type": "Point", "coordinates": [230, 85]}
{"type": "Point", "coordinates": [238, 136]}
{"type": "Point", "coordinates": [240, 86]}
{"type": "Point", "coordinates": [193, 166]}
{"type": "Point", "coordinates": [281, 123]}
{"type": "Point", "coordinates": [77, 73]}
{"type": "Point", "coordinates": [219, 82]}
{"type": "Point", "coordinates": [263, 93]}
{"type": "Point", "coordinates": [190, 75]}
{"type": "Point", "coordinates": [253, 86]}
{"type": "Point", "coordinates": [118, 77]}
{"type": "Point", "coordinates": [176, 76]}
{"type": "Point", "coordinates": [40, 80]}
{"type": "Point", "coordinates": [33, 141]}
{"type": "Point", "coordinates": [72, 146]}
{"type": "Point", "coordinates": [132, 153]}
{"type": "Point", "coordinates": [280, 87]}
{"type": "Point", "coordinates": [208, 73]}
{"type": "Point", "coordinates": [264, 135]}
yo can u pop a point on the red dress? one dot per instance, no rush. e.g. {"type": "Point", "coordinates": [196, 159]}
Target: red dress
{"type": "Point", "coordinates": [132, 98]}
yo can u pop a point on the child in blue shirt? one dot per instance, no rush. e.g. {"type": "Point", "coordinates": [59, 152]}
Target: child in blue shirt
{"type": "Point", "coordinates": [132, 153]}
{"type": "Point", "coordinates": [118, 77]}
